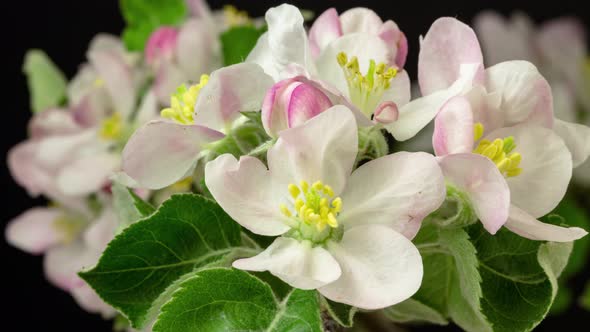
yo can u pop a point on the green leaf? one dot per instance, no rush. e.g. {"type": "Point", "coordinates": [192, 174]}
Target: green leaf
{"type": "Point", "coordinates": [233, 300]}
{"type": "Point", "coordinates": [47, 84]}
{"type": "Point", "coordinates": [518, 277]}
{"type": "Point", "coordinates": [342, 313]}
{"type": "Point", "coordinates": [412, 310]}
{"type": "Point", "coordinates": [237, 42]}
{"type": "Point", "coordinates": [144, 16]}
{"type": "Point", "coordinates": [144, 264]}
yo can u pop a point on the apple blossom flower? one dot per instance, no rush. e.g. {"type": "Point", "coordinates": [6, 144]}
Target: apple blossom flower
{"type": "Point", "coordinates": [346, 235]}
{"type": "Point", "coordinates": [511, 175]}
{"type": "Point", "coordinates": [166, 150]}
{"type": "Point", "coordinates": [357, 58]}
{"type": "Point", "coordinates": [70, 240]}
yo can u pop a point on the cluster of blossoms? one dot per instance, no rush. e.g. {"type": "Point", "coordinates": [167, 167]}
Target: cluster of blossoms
{"type": "Point", "coordinates": [342, 219]}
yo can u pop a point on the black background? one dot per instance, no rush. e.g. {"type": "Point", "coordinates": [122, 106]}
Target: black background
{"type": "Point", "coordinates": [64, 28]}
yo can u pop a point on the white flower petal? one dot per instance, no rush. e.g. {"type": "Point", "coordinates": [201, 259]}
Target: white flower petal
{"type": "Point", "coordinates": [380, 268]}
{"type": "Point", "coordinates": [397, 190]}
{"type": "Point", "coordinates": [246, 192]}
{"type": "Point", "coordinates": [546, 168]}
{"type": "Point", "coordinates": [62, 264]}
{"type": "Point", "coordinates": [360, 20]}
{"type": "Point", "coordinates": [161, 153]}
{"type": "Point", "coordinates": [453, 128]}
{"type": "Point", "coordinates": [525, 225]}
{"type": "Point", "coordinates": [87, 174]}
{"type": "Point", "coordinates": [324, 30]}
{"type": "Point", "coordinates": [577, 139]}
{"type": "Point", "coordinates": [399, 90]}
{"type": "Point", "coordinates": [34, 230]}
{"type": "Point", "coordinates": [322, 149]}
{"type": "Point", "coordinates": [296, 263]}
{"type": "Point", "coordinates": [88, 300]}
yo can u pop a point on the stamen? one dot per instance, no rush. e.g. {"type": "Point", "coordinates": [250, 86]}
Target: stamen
{"type": "Point", "coordinates": [499, 151]}
{"type": "Point", "coordinates": [112, 127]}
{"type": "Point", "coordinates": [182, 103]}
{"type": "Point", "coordinates": [366, 90]}
{"type": "Point", "coordinates": [234, 17]}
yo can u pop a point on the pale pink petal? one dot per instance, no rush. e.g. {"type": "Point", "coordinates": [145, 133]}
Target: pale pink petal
{"type": "Point", "coordinates": [448, 44]}
{"type": "Point", "coordinates": [399, 90]}
{"type": "Point", "coordinates": [324, 30]}
{"type": "Point", "coordinates": [297, 263]}
{"type": "Point", "coordinates": [53, 122]}
{"type": "Point", "coordinates": [416, 114]}
{"type": "Point", "coordinates": [479, 178]}
{"type": "Point", "coordinates": [453, 128]}
{"type": "Point", "coordinates": [300, 154]}
{"type": "Point", "coordinates": [231, 90]}
{"type": "Point", "coordinates": [386, 113]}
{"type": "Point", "coordinates": [62, 264]}
{"type": "Point", "coordinates": [245, 190]}
{"type": "Point", "coordinates": [380, 268]}
{"type": "Point", "coordinates": [546, 168]}
{"type": "Point", "coordinates": [34, 230]}
{"type": "Point", "coordinates": [360, 20]}
{"type": "Point", "coordinates": [102, 230]}
{"type": "Point", "coordinates": [87, 174]}
{"type": "Point", "coordinates": [503, 39]}
{"type": "Point", "coordinates": [24, 169]}
{"type": "Point", "coordinates": [161, 153]}
{"type": "Point", "coordinates": [397, 41]}
{"type": "Point", "coordinates": [197, 49]}
{"type": "Point", "coordinates": [397, 190]}
{"type": "Point", "coordinates": [148, 109]}
{"type": "Point", "coordinates": [576, 138]}
{"type": "Point", "coordinates": [161, 44]}
{"type": "Point", "coordinates": [524, 92]}
{"type": "Point", "coordinates": [88, 300]}
{"type": "Point", "coordinates": [525, 225]}
{"type": "Point", "coordinates": [168, 77]}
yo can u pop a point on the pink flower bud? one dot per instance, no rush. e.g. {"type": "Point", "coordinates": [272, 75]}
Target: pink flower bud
{"type": "Point", "coordinates": [161, 44]}
{"type": "Point", "coordinates": [290, 103]}
{"type": "Point", "coordinates": [387, 112]}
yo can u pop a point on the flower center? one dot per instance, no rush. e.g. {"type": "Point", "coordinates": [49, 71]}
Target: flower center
{"type": "Point", "coordinates": [366, 90]}
{"type": "Point", "coordinates": [499, 151]}
{"type": "Point", "coordinates": [69, 226]}
{"type": "Point", "coordinates": [313, 209]}
{"type": "Point", "coordinates": [182, 103]}
{"type": "Point", "coordinates": [234, 17]}
{"type": "Point", "coordinates": [112, 127]}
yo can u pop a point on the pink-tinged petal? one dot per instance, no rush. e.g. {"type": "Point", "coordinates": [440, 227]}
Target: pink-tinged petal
{"type": "Point", "coordinates": [53, 152]}
{"type": "Point", "coordinates": [360, 20]}
{"type": "Point", "coordinates": [324, 30]}
{"type": "Point", "coordinates": [106, 42]}
{"type": "Point", "coordinates": [299, 154]}
{"type": "Point", "coordinates": [81, 84]}
{"type": "Point", "coordinates": [53, 122]}
{"type": "Point", "coordinates": [448, 44]}
{"type": "Point", "coordinates": [24, 169]}
{"type": "Point", "coordinates": [503, 39]}
{"type": "Point", "coordinates": [576, 138]}
{"type": "Point", "coordinates": [88, 300]}
{"type": "Point", "coordinates": [485, 107]}
{"type": "Point", "coordinates": [284, 43]}
{"type": "Point", "coordinates": [88, 174]}
{"type": "Point", "coordinates": [148, 109]}
{"type": "Point", "coordinates": [198, 8]}
{"type": "Point", "coordinates": [546, 168]}
{"type": "Point", "coordinates": [453, 128]}
{"type": "Point", "coordinates": [197, 49]}
{"type": "Point", "coordinates": [397, 190]}
{"type": "Point", "coordinates": [161, 153]}
{"type": "Point", "coordinates": [161, 44]}
{"type": "Point", "coordinates": [297, 263]}
{"type": "Point", "coordinates": [524, 92]}
{"type": "Point", "coordinates": [92, 108]}
{"type": "Point", "coordinates": [386, 113]}
{"type": "Point", "coordinates": [380, 268]}
{"type": "Point", "coordinates": [306, 102]}
{"type": "Point", "coordinates": [231, 90]}
{"type": "Point", "coordinates": [396, 40]}
{"type": "Point", "coordinates": [62, 264]}
{"type": "Point", "coordinates": [273, 118]}
{"type": "Point", "coordinates": [168, 77]}
{"type": "Point", "coordinates": [416, 114]}
{"type": "Point", "coordinates": [400, 89]}
{"type": "Point", "coordinates": [525, 225]}
{"type": "Point", "coordinates": [102, 230]}
{"type": "Point", "coordinates": [34, 230]}
{"type": "Point", "coordinates": [364, 46]}
{"type": "Point", "coordinates": [116, 73]}
{"type": "Point", "coordinates": [479, 178]}
{"type": "Point", "coordinates": [245, 190]}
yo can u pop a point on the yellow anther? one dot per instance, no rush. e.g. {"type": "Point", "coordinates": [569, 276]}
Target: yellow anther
{"type": "Point", "coordinates": [298, 204]}
{"type": "Point", "coordinates": [234, 17]}
{"type": "Point", "coordinates": [112, 127]}
{"type": "Point", "coordinates": [294, 190]}
{"type": "Point", "coordinates": [499, 151]}
{"type": "Point", "coordinates": [285, 210]}
{"type": "Point", "coordinates": [182, 103]}
{"type": "Point", "coordinates": [332, 220]}
{"type": "Point", "coordinates": [182, 185]}
{"type": "Point", "coordinates": [328, 191]}
{"type": "Point", "coordinates": [477, 131]}
{"type": "Point", "coordinates": [337, 204]}
{"type": "Point", "coordinates": [304, 186]}
{"type": "Point", "coordinates": [318, 185]}
{"type": "Point", "coordinates": [366, 90]}
{"type": "Point", "coordinates": [98, 82]}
